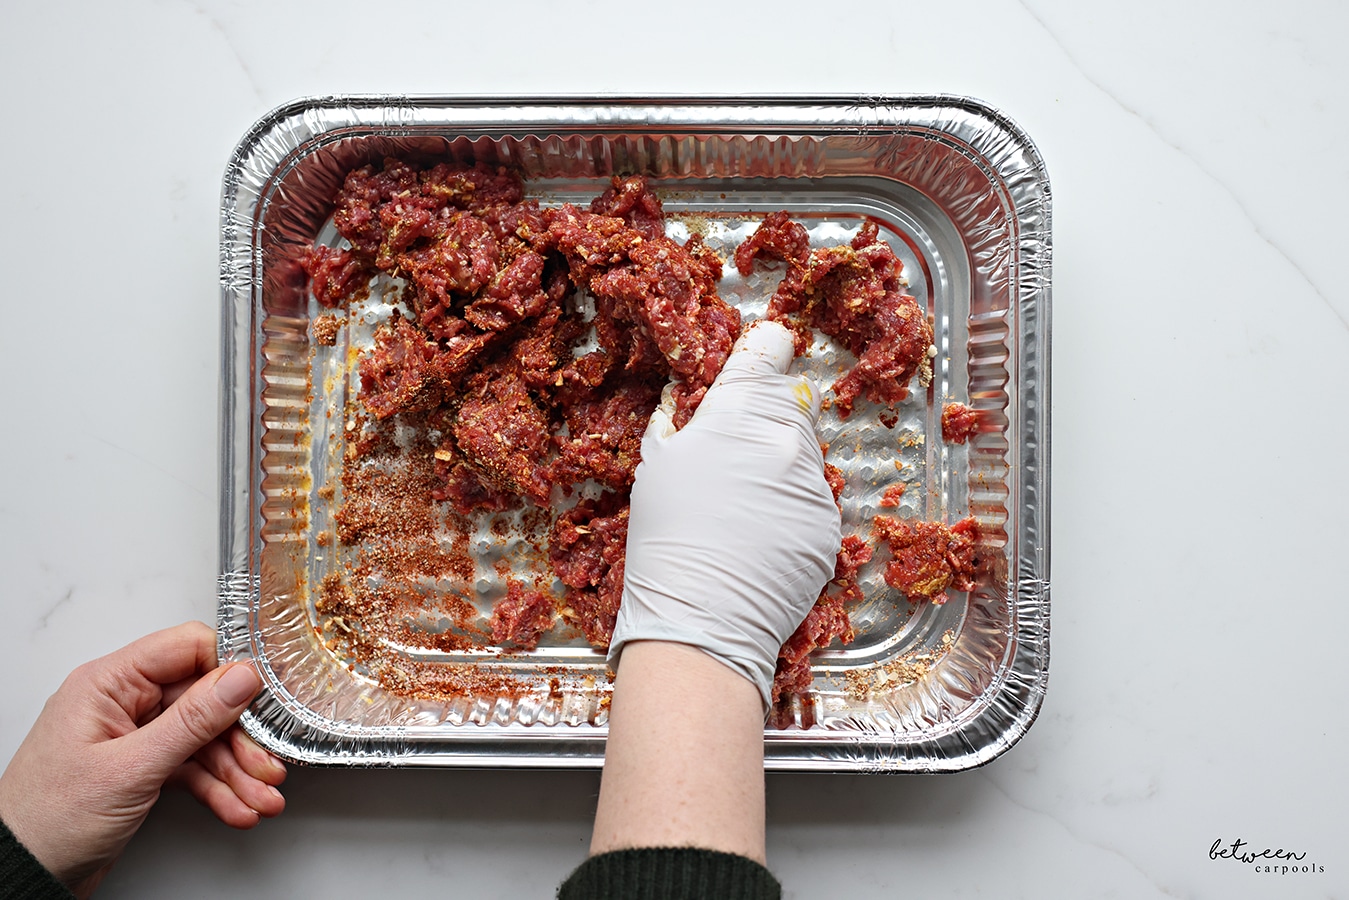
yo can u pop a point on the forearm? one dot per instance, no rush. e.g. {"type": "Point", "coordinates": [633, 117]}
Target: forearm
{"type": "Point", "coordinates": [684, 761]}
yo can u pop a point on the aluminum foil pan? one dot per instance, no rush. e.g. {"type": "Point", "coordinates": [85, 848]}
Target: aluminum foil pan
{"type": "Point", "coordinates": [960, 193]}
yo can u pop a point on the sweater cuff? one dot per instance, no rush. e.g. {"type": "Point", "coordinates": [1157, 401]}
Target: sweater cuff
{"type": "Point", "coordinates": [22, 877]}
{"type": "Point", "coordinates": [670, 873]}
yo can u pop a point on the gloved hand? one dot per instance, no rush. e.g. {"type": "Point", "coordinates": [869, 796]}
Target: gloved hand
{"type": "Point", "coordinates": [733, 530]}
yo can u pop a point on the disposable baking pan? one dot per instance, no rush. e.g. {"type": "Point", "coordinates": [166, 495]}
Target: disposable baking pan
{"type": "Point", "coordinates": [955, 187]}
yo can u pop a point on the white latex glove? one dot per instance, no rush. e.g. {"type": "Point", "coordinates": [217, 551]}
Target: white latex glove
{"type": "Point", "coordinates": [733, 530]}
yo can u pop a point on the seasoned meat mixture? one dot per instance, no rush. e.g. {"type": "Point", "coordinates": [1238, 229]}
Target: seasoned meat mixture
{"type": "Point", "coordinates": [853, 293]}
{"type": "Point", "coordinates": [929, 557]}
{"type": "Point", "coordinates": [531, 346]}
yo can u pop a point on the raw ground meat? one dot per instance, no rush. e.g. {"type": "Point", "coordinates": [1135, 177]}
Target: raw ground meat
{"type": "Point", "coordinates": [605, 433]}
{"type": "Point", "coordinates": [853, 293]}
{"type": "Point", "coordinates": [487, 348]}
{"type": "Point", "coordinates": [520, 395]}
{"type": "Point", "coordinates": [891, 496]}
{"type": "Point", "coordinates": [777, 238]}
{"type": "Point", "coordinates": [958, 423]}
{"type": "Point", "coordinates": [587, 549]}
{"type": "Point", "coordinates": [502, 433]}
{"type": "Point", "coordinates": [666, 290]}
{"type": "Point", "coordinates": [929, 557]}
{"type": "Point", "coordinates": [336, 276]}
{"type": "Point", "coordinates": [325, 328]}
{"type": "Point", "coordinates": [522, 617]}
{"type": "Point", "coordinates": [826, 622]}
{"type": "Point", "coordinates": [406, 372]}
{"type": "Point", "coordinates": [833, 476]}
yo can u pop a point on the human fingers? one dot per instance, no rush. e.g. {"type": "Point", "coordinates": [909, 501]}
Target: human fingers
{"type": "Point", "coordinates": [107, 697]}
{"type": "Point", "coordinates": [195, 719]}
{"type": "Point", "coordinates": [764, 347]}
{"type": "Point", "coordinates": [168, 693]}
{"type": "Point", "coordinates": [173, 654]}
{"type": "Point", "coordinates": [137, 676]}
{"type": "Point", "coordinates": [751, 381]}
{"type": "Point", "coordinates": [219, 759]}
{"type": "Point", "coordinates": [215, 795]}
{"type": "Point", "coordinates": [661, 425]}
{"type": "Point", "coordinates": [255, 760]}
{"type": "Point", "coordinates": [754, 386]}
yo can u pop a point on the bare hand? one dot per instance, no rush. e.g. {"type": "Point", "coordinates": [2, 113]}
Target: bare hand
{"type": "Point", "coordinates": [158, 711]}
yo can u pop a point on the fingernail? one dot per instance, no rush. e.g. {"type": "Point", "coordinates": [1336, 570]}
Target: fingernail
{"type": "Point", "coordinates": [238, 685]}
{"type": "Point", "coordinates": [274, 764]}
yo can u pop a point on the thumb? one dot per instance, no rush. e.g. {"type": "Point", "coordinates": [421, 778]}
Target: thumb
{"type": "Point", "coordinates": [754, 380]}
{"type": "Point", "coordinates": [765, 347]}
{"type": "Point", "coordinates": [661, 425]}
{"type": "Point", "coordinates": [196, 718]}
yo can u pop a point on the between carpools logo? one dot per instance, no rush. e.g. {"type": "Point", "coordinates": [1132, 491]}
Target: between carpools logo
{"type": "Point", "coordinates": [1265, 860]}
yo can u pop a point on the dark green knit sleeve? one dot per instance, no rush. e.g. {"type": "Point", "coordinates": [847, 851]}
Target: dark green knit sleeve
{"type": "Point", "coordinates": [21, 876]}
{"type": "Point", "coordinates": [670, 873]}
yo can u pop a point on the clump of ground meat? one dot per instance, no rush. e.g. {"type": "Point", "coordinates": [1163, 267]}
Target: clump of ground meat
{"type": "Point", "coordinates": [406, 372]}
{"type": "Point", "coordinates": [605, 431]}
{"type": "Point", "coordinates": [929, 558]}
{"type": "Point", "coordinates": [336, 276]}
{"type": "Point", "coordinates": [632, 200]}
{"type": "Point", "coordinates": [588, 546]}
{"type": "Point", "coordinates": [826, 622]}
{"type": "Point", "coordinates": [325, 329]}
{"type": "Point", "coordinates": [776, 238]}
{"type": "Point", "coordinates": [855, 294]}
{"type": "Point", "coordinates": [893, 494]}
{"type": "Point", "coordinates": [489, 276]}
{"type": "Point", "coordinates": [656, 298]}
{"type": "Point", "coordinates": [502, 432]}
{"type": "Point", "coordinates": [828, 619]}
{"type": "Point", "coordinates": [833, 476]}
{"type": "Point", "coordinates": [522, 617]}
{"type": "Point", "coordinates": [958, 423]}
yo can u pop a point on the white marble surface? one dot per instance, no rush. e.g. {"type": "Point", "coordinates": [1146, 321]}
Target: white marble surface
{"type": "Point", "coordinates": [1201, 339]}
